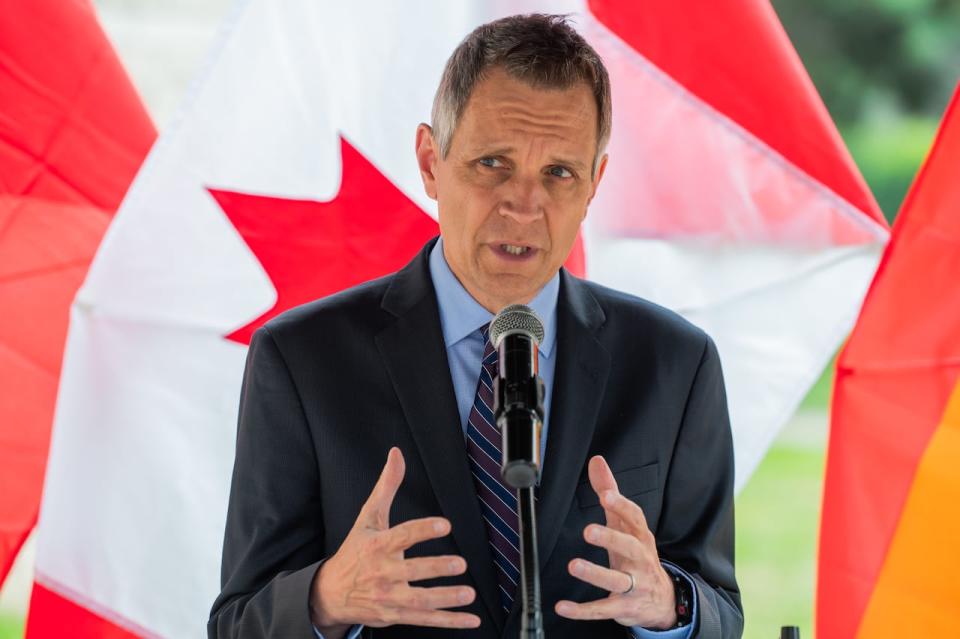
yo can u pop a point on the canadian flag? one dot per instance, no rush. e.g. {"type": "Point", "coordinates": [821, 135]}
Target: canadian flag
{"type": "Point", "coordinates": [72, 135]}
{"type": "Point", "coordinates": [290, 174]}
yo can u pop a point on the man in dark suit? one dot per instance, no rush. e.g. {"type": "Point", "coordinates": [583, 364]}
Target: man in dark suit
{"type": "Point", "coordinates": [635, 507]}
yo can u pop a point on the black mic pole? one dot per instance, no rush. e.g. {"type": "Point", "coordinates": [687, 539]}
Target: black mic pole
{"type": "Point", "coordinates": [531, 623]}
{"type": "Point", "coordinates": [518, 410]}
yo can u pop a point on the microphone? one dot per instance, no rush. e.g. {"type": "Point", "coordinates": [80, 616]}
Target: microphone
{"type": "Point", "coordinates": [516, 332]}
{"type": "Point", "coordinates": [518, 393]}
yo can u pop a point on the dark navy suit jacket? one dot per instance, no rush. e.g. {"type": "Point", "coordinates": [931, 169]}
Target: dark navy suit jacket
{"type": "Point", "coordinates": [330, 386]}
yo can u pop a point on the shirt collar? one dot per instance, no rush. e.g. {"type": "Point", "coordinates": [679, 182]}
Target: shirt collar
{"type": "Point", "coordinates": [461, 315]}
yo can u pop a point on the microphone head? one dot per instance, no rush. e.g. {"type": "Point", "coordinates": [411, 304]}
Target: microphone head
{"type": "Point", "coordinates": [516, 318]}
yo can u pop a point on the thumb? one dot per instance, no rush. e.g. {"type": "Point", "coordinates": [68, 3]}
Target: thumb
{"type": "Point", "coordinates": [602, 480]}
{"type": "Point", "coordinates": [376, 511]}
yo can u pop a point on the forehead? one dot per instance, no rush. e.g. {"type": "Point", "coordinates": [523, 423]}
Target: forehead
{"type": "Point", "coordinates": [503, 109]}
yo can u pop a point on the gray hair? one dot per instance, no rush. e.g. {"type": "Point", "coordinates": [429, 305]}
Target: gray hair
{"type": "Point", "coordinates": [542, 50]}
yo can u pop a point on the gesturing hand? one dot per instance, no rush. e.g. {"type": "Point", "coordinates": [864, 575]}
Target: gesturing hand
{"type": "Point", "coordinates": [367, 580]}
{"type": "Point", "coordinates": [648, 598]}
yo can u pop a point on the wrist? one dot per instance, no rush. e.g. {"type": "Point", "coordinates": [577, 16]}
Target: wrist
{"type": "Point", "coordinates": [681, 601]}
{"type": "Point", "coordinates": [668, 618]}
{"type": "Point", "coordinates": [667, 621]}
{"type": "Point", "coordinates": [321, 613]}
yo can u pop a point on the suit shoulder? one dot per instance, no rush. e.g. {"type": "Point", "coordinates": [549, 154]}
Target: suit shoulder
{"type": "Point", "coordinates": [353, 307]}
{"type": "Point", "coordinates": [630, 313]}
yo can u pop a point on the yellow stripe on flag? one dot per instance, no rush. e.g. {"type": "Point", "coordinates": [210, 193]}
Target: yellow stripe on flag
{"type": "Point", "coordinates": [918, 591]}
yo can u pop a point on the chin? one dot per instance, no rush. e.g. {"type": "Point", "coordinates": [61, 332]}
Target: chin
{"type": "Point", "coordinates": [514, 287]}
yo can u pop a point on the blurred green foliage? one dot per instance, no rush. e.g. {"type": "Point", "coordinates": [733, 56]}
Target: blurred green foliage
{"type": "Point", "coordinates": [869, 57]}
{"type": "Point", "coordinates": [11, 625]}
{"type": "Point", "coordinates": [886, 70]}
{"type": "Point", "coordinates": [818, 397]}
{"type": "Point", "coordinates": [889, 155]}
{"type": "Point", "coordinates": [777, 521]}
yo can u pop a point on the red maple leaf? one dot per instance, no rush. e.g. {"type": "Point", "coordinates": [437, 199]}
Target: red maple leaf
{"type": "Point", "coordinates": [311, 249]}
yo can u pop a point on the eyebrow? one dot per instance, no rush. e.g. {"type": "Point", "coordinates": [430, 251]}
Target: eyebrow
{"type": "Point", "coordinates": [482, 152]}
{"type": "Point", "coordinates": [506, 150]}
{"type": "Point", "coordinates": [576, 164]}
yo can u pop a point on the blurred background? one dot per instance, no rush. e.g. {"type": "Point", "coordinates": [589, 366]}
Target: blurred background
{"type": "Point", "coordinates": [885, 69]}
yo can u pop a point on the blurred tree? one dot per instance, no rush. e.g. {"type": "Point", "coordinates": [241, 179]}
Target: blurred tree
{"type": "Point", "coordinates": [885, 69]}
{"type": "Point", "coordinates": [870, 55]}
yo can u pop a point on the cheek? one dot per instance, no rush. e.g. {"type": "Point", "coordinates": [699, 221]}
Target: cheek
{"type": "Point", "coordinates": [468, 201]}
{"type": "Point", "coordinates": [477, 204]}
{"type": "Point", "coordinates": [563, 227]}
{"type": "Point", "coordinates": [463, 216]}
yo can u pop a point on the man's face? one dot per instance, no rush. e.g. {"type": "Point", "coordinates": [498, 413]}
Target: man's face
{"type": "Point", "coordinates": [514, 186]}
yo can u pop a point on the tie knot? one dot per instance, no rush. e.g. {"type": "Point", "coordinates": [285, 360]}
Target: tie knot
{"type": "Point", "coordinates": [489, 355]}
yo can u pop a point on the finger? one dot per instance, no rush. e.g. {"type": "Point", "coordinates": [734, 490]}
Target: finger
{"type": "Point", "coordinates": [603, 481]}
{"type": "Point", "coordinates": [436, 597]}
{"type": "Point", "coordinates": [630, 514]}
{"type": "Point", "coordinates": [615, 581]}
{"type": "Point", "coordinates": [376, 511]}
{"type": "Point", "coordinates": [601, 477]}
{"type": "Point", "coordinates": [616, 542]}
{"type": "Point", "coordinates": [420, 568]}
{"type": "Point", "coordinates": [434, 618]}
{"type": "Point", "coordinates": [606, 608]}
{"type": "Point", "coordinates": [404, 535]}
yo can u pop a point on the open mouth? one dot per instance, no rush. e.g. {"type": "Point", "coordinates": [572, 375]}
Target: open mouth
{"type": "Point", "coordinates": [513, 252]}
{"type": "Point", "coordinates": [514, 249]}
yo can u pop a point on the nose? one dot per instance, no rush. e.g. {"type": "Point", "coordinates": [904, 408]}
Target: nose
{"type": "Point", "coordinates": [524, 199]}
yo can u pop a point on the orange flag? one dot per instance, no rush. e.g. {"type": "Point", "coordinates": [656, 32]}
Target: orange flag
{"type": "Point", "coordinates": [890, 536]}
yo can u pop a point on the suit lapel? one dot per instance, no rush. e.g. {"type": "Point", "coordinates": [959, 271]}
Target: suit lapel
{"type": "Point", "coordinates": [416, 359]}
{"type": "Point", "coordinates": [580, 379]}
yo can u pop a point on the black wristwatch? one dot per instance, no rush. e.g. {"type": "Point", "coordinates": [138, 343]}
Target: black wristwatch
{"type": "Point", "coordinates": [684, 596]}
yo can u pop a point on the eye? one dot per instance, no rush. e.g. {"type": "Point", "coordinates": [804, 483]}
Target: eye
{"type": "Point", "coordinates": [492, 163]}
{"type": "Point", "coordinates": [560, 172]}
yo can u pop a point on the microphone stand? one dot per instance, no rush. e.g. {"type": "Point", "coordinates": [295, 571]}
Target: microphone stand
{"type": "Point", "coordinates": [531, 621]}
{"type": "Point", "coordinates": [521, 456]}
{"type": "Point", "coordinates": [518, 395]}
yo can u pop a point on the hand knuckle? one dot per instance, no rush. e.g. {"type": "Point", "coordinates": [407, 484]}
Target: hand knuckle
{"type": "Point", "coordinates": [387, 616]}
{"type": "Point", "coordinates": [412, 572]}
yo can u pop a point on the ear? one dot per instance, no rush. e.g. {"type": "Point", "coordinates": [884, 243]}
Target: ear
{"type": "Point", "coordinates": [428, 154]}
{"type": "Point", "coordinates": [601, 167]}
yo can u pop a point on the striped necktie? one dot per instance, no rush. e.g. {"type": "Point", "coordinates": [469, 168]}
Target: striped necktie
{"type": "Point", "coordinates": [498, 503]}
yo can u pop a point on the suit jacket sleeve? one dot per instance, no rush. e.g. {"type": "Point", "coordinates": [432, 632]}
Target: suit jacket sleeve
{"type": "Point", "coordinates": [696, 524]}
{"type": "Point", "coordinates": [274, 532]}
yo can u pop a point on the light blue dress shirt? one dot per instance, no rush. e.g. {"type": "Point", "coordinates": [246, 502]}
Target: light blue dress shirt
{"type": "Point", "coordinates": [460, 318]}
